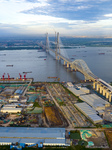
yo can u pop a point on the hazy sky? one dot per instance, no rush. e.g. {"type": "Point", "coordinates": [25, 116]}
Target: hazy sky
{"type": "Point", "coordinates": [69, 17]}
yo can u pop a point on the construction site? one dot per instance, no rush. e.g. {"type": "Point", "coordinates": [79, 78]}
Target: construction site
{"type": "Point", "coordinates": [24, 103]}
{"type": "Point", "coordinates": [48, 104]}
{"type": "Point", "coordinates": [41, 104]}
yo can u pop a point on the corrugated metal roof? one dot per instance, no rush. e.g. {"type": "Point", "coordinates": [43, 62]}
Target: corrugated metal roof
{"type": "Point", "coordinates": [32, 135]}
{"type": "Point", "coordinates": [93, 100]}
{"type": "Point", "coordinates": [54, 140]}
{"type": "Point", "coordinates": [89, 111]}
{"type": "Point", "coordinates": [32, 132]}
{"type": "Point", "coordinates": [76, 92]}
{"type": "Point", "coordinates": [46, 141]}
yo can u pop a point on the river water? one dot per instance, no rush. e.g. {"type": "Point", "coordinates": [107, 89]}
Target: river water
{"type": "Point", "coordinates": [98, 59]}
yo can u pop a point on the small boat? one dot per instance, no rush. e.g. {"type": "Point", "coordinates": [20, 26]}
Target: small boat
{"type": "Point", "coordinates": [9, 65]}
{"type": "Point", "coordinates": [101, 53]}
{"type": "Point", "coordinates": [44, 59]}
{"type": "Point", "coordinates": [28, 72]}
{"type": "Point", "coordinates": [52, 77]}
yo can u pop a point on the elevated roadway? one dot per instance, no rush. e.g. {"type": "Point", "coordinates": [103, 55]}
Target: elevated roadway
{"type": "Point", "coordinates": [80, 65]}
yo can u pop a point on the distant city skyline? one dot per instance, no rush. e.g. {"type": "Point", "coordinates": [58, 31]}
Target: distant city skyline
{"type": "Point", "coordinates": [80, 18]}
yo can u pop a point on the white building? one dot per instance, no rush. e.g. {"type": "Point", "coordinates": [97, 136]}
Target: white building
{"type": "Point", "coordinates": [11, 105]}
{"type": "Point", "coordinates": [84, 89]}
{"type": "Point", "coordinates": [11, 110]}
{"type": "Point", "coordinates": [89, 112]}
{"type": "Point", "coordinates": [69, 84]}
{"type": "Point", "coordinates": [13, 100]}
{"type": "Point", "coordinates": [76, 91]}
{"type": "Point", "coordinates": [95, 101]}
{"type": "Point", "coordinates": [17, 96]}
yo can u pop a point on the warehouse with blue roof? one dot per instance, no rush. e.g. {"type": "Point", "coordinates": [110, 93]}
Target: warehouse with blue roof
{"type": "Point", "coordinates": [29, 136]}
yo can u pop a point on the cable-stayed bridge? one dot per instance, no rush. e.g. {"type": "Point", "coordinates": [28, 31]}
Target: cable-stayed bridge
{"type": "Point", "coordinates": [79, 65]}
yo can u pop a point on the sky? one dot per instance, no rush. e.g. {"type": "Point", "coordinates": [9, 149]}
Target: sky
{"type": "Point", "coordinates": [80, 18]}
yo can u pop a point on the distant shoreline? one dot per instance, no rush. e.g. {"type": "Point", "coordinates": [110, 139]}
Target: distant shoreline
{"type": "Point", "coordinates": [37, 48]}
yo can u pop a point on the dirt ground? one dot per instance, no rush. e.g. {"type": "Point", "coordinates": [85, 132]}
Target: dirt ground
{"type": "Point", "coordinates": [99, 139]}
{"type": "Point", "coordinates": [108, 133]}
{"type": "Point", "coordinates": [52, 116]}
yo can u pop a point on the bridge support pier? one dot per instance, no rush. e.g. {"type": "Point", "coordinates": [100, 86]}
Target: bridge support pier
{"type": "Point", "coordinates": [67, 65]}
{"type": "Point", "coordinates": [104, 92]}
{"type": "Point", "coordinates": [107, 94]}
{"type": "Point", "coordinates": [64, 63]}
{"type": "Point", "coordinates": [101, 89]}
{"type": "Point", "coordinates": [94, 85]}
{"type": "Point", "coordinates": [86, 78]}
{"type": "Point", "coordinates": [71, 67]}
{"type": "Point", "coordinates": [110, 96]}
{"type": "Point", "coordinates": [97, 87]}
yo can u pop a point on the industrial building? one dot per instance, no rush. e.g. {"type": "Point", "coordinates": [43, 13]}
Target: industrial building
{"type": "Point", "coordinates": [69, 84]}
{"type": "Point", "coordinates": [89, 112]}
{"type": "Point", "coordinates": [47, 136]}
{"type": "Point", "coordinates": [84, 89]}
{"type": "Point", "coordinates": [96, 102]}
{"type": "Point", "coordinates": [11, 100]}
{"type": "Point", "coordinates": [11, 110]}
{"type": "Point", "coordinates": [10, 105]}
{"type": "Point", "coordinates": [79, 91]}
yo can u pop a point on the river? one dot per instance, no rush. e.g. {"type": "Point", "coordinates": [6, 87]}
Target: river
{"type": "Point", "coordinates": [98, 59]}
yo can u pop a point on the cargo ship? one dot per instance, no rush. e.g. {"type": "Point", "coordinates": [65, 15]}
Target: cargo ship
{"type": "Point", "coordinates": [101, 53]}
{"type": "Point", "coordinates": [28, 72]}
{"type": "Point", "coordinates": [51, 77]}
{"type": "Point", "coordinates": [9, 65]}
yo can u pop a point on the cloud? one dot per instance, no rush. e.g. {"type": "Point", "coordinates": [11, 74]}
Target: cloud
{"type": "Point", "coordinates": [68, 16]}
{"type": "Point", "coordinates": [72, 10]}
{"type": "Point", "coordinates": [61, 10]}
{"type": "Point", "coordinates": [32, 1]}
{"type": "Point", "coordinates": [108, 15]}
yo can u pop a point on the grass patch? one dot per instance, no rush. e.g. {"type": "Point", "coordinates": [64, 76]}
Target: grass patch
{"type": "Point", "coordinates": [36, 104]}
{"type": "Point", "coordinates": [36, 110]}
{"type": "Point", "coordinates": [62, 104]}
{"type": "Point", "coordinates": [75, 134]}
{"type": "Point", "coordinates": [5, 147]}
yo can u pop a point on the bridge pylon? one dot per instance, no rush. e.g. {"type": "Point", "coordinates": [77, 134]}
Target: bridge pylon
{"type": "Point", "coordinates": [47, 43]}
{"type": "Point", "coordinates": [57, 51]}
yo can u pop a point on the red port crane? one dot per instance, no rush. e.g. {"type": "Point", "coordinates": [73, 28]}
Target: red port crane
{"type": "Point", "coordinates": [8, 76]}
{"type": "Point", "coordinates": [25, 76]}
{"type": "Point", "coordinates": [20, 76]}
{"type": "Point", "coordinates": [3, 76]}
